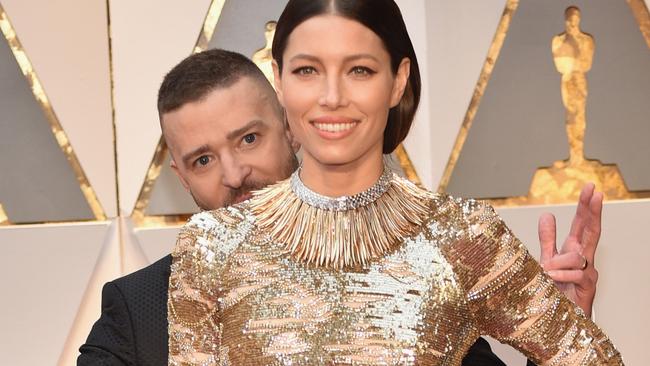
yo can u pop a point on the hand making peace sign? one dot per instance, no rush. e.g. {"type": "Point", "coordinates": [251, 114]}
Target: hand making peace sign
{"type": "Point", "coordinates": [572, 268]}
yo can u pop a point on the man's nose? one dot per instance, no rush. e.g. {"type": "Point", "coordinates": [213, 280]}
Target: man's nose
{"type": "Point", "coordinates": [234, 172]}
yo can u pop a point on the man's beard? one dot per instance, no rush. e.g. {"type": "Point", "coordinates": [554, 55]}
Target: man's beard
{"type": "Point", "coordinates": [250, 185]}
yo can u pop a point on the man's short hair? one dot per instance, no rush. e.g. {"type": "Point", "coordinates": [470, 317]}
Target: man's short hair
{"type": "Point", "coordinates": [199, 74]}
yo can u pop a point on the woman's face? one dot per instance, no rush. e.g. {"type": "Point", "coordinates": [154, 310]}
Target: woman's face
{"type": "Point", "coordinates": [337, 87]}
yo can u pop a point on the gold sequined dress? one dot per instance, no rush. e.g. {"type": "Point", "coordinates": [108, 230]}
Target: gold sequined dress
{"type": "Point", "coordinates": [395, 275]}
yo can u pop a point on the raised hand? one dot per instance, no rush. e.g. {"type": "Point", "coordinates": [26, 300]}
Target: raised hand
{"type": "Point", "coordinates": [572, 268]}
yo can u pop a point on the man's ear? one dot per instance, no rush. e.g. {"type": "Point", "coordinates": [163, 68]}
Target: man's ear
{"type": "Point", "coordinates": [277, 83]}
{"type": "Point", "coordinates": [401, 79]}
{"type": "Point", "coordinates": [174, 167]}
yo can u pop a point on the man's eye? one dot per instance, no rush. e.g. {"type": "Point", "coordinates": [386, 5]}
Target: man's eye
{"type": "Point", "coordinates": [203, 160]}
{"type": "Point", "coordinates": [250, 138]}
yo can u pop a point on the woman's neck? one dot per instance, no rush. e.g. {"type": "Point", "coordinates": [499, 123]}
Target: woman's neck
{"type": "Point", "coordinates": [341, 180]}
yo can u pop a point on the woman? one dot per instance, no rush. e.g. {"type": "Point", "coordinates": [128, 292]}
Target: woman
{"type": "Point", "coordinates": [385, 273]}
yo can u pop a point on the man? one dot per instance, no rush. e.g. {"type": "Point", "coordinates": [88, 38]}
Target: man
{"type": "Point", "coordinates": [226, 135]}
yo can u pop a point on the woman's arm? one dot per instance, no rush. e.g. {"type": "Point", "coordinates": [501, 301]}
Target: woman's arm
{"type": "Point", "coordinates": [202, 248]}
{"type": "Point", "coordinates": [512, 299]}
{"type": "Point", "coordinates": [191, 305]}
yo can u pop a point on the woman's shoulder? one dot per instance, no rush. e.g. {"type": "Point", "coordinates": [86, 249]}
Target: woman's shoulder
{"type": "Point", "coordinates": [445, 203]}
{"type": "Point", "coordinates": [451, 213]}
{"type": "Point", "coordinates": [444, 208]}
{"type": "Point", "coordinates": [215, 234]}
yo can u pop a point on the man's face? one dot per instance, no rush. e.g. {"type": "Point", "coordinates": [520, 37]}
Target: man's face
{"type": "Point", "coordinates": [228, 143]}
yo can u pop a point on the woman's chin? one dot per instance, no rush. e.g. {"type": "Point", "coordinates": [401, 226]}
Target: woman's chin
{"type": "Point", "coordinates": [340, 160]}
{"type": "Point", "coordinates": [339, 155]}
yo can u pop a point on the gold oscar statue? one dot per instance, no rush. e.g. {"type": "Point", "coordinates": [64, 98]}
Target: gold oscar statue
{"type": "Point", "coordinates": [573, 52]}
{"type": "Point", "coordinates": [262, 57]}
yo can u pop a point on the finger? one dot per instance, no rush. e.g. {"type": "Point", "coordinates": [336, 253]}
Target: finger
{"type": "Point", "coordinates": [566, 261]}
{"type": "Point", "coordinates": [591, 234]}
{"type": "Point", "coordinates": [582, 211]}
{"type": "Point", "coordinates": [546, 232]}
{"type": "Point", "coordinates": [573, 276]}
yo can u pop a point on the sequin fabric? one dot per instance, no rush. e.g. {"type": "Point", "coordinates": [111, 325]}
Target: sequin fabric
{"type": "Point", "coordinates": [238, 297]}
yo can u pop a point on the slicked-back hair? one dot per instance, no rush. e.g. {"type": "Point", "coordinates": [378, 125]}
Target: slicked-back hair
{"type": "Point", "coordinates": [384, 18]}
{"type": "Point", "coordinates": [201, 73]}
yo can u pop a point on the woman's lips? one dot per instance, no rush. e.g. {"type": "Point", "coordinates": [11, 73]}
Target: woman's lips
{"type": "Point", "coordinates": [334, 127]}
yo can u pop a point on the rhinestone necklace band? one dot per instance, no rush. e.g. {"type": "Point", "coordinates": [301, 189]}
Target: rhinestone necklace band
{"type": "Point", "coordinates": [342, 203]}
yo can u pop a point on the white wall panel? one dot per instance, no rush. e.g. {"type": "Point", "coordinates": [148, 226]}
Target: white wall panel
{"type": "Point", "coordinates": [67, 43]}
{"type": "Point", "coordinates": [623, 298]}
{"type": "Point", "coordinates": [45, 271]}
{"type": "Point", "coordinates": [157, 243]}
{"type": "Point", "coordinates": [418, 142]}
{"type": "Point", "coordinates": [149, 38]}
{"type": "Point", "coordinates": [120, 254]}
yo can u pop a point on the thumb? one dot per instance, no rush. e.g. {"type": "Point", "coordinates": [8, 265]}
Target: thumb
{"type": "Point", "coordinates": [546, 231]}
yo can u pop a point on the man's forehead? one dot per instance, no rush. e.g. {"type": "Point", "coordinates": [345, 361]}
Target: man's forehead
{"type": "Point", "coordinates": [227, 107]}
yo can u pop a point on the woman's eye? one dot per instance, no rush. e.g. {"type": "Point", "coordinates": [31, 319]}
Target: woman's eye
{"type": "Point", "coordinates": [305, 70]}
{"type": "Point", "coordinates": [361, 71]}
{"type": "Point", "coordinates": [203, 160]}
{"type": "Point", "coordinates": [250, 138]}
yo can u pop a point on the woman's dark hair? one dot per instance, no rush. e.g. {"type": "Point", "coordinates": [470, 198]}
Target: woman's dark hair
{"type": "Point", "coordinates": [385, 19]}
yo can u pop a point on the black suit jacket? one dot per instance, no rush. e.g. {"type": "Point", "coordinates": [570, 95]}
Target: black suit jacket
{"type": "Point", "coordinates": [132, 329]}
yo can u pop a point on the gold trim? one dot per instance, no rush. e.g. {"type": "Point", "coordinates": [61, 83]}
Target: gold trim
{"type": "Point", "coordinates": [642, 16]}
{"type": "Point", "coordinates": [153, 173]}
{"type": "Point", "coordinates": [46, 224]}
{"type": "Point", "coordinates": [139, 216]}
{"type": "Point", "coordinates": [486, 72]}
{"type": "Point", "coordinates": [162, 221]}
{"type": "Point", "coordinates": [4, 220]}
{"type": "Point", "coordinates": [113, 124]}
{"type": "Point", "coordinates": [209, 25]}
{"type": "Point", "coordinates": [120, 222]}
{"type": "Point", "coordinates": [57, 130]}
{"type": "Point", "coordinates": [407, 165]}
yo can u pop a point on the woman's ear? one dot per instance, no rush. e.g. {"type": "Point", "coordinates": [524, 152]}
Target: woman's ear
{"type": "Point", "coordinates": [277, 83]}
{"type": "Point", "coordinates": [401, 79]}
{"type": "Point", "coordinates": [295, 145]}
